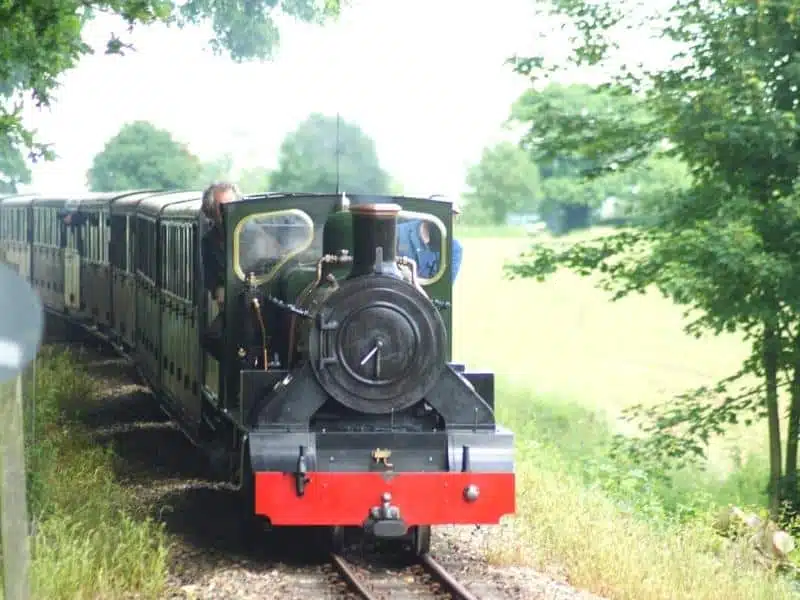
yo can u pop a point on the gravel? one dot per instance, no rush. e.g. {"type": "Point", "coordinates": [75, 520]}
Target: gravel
{"type": "Point", "coordinates": [212, 557]}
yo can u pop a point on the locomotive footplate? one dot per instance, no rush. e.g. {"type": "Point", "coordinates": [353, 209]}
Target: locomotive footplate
{"type": "Point", "coordinates": [386, 483]}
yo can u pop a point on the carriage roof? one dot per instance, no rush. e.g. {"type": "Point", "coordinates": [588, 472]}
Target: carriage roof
{"type": "Point", "coordinates": [129, 203]}
{"type": "Point", "coordinates": [186, 209]}
{"type": "Point", "coordinates": [17, 200]}
{"type": "Point", "coordinates": [98, 200]}
{"type": "Point", "coordinates": [154, 206]}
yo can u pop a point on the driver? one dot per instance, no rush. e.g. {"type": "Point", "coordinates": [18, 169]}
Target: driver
{"type": "Point", "coordinates": [213, 242]}
{"type": "Point", "coordinates": [213, 257]}
{"type": "Point", "coordinates": [256, 245]}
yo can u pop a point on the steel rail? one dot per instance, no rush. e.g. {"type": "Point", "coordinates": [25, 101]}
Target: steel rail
{"type": "Point", "coordinates": [350, 577]}
{"type": "Point", "coordinates": [438, 571]}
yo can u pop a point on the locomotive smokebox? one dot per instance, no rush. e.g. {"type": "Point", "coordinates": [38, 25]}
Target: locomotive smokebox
{"type": "Point", "coordinates": [374, 239]}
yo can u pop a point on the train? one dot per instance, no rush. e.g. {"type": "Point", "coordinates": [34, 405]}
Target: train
{"type": "Point", "coordinates": [334, 401]}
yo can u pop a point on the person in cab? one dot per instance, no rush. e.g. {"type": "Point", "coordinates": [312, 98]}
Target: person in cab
{"type": "Point", "coordinates": [420, 240]}
{"type": "Point", "coordinates": [256, 247]}
{"type": "Point", "coordinates": [212, 248]}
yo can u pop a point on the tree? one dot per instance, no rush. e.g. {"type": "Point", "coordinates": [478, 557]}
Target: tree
{"type": "Point", "coordinates": [217, 169]}
{"type": "Point", "coordinates": [13, 170]}
{"type": "Point", "coordinates": [643, 187]}
{"type": "Point", "coordinates": [727, 246]}
{"type": "Point", "coordinates": [307, 159]}
{"type": "Point", "coordinates": [42, 39]}
{"type": "Point", "coordinates": [143, 156]}
{"type": "Point", "coordinates": [396, 187]}
{"type": "Point", "coordinates": [504, 181]}
{"type": "Point", "coordinates": [576, 182]}
{"type": "Point", "coordinates": [254, 180]}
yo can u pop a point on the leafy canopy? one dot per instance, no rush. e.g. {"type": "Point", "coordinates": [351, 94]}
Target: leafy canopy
{"type": "Point", "coordinates": [42, 39]}
{"type": "Point", "coordinates": [13, 170]}
{"type": "Point", "coordinates": [254, 180]}
{"type": "Point", "coordinates": [143, 156]}
{"type": "Point", "coordinates": [307, 159]}
{"type": "Point", "coordinates": [577, 135]}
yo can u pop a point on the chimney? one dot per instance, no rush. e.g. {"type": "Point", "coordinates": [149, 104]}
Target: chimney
{"type": "Point", "coordinates": [374, 239]}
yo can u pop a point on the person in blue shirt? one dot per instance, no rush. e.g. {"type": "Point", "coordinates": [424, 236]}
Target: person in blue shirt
{"type": "Point", "coordinates": [456, 251]}
{"type": "Point", "coordinates": [420, 241]}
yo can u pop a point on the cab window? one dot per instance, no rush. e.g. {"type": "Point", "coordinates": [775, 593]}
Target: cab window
{"type": "Point", "coordinates": [422, 237]}
{"type": "Point", "coordinates": [263, 242]}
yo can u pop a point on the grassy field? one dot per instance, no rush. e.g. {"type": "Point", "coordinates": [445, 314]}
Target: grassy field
{"type": "Point", "coordinates": [88, 544]}
{"type": "Point", "coordinates": [564, 340]}
{"type": "Point", "coordinates": [568, 361]}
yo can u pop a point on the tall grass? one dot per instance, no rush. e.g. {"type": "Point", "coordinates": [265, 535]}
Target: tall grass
{"type": "Point", "coordinates": [87, 544]}
{"type": "Point", "coordinates": [563, 524]}
{"type": "Point", "coordinates": [581, 439]}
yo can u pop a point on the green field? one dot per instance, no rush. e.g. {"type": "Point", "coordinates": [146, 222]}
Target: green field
{"type": "Point", "coordinates": [568, 361]}
{"type": "Point", "coordinates": [564, 339]}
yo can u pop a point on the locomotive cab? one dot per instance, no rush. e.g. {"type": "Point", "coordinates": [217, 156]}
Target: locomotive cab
{"type": "Point", "coordinates": [279, 248]}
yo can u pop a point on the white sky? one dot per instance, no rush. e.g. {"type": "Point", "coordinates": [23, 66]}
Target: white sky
{"type": "Point", "coordinates": [424, 78]}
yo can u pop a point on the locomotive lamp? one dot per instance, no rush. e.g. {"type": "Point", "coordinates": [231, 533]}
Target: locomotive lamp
{"type": "Point", "coordinates": [471, 493]}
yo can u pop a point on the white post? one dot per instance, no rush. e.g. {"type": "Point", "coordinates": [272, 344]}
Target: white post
{"type": "Point", "coordinates": [13, 502]}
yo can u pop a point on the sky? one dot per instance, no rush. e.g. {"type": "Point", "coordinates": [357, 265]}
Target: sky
{"type": "Point", "coordinates": [425, 79]}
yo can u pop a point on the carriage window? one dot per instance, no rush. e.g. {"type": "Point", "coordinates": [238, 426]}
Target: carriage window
{"type": "Point", "coordinates": [176, 258]}
{"type": "Point", "coordinates": [184, 230]}
{"type": "Point", "coordinates": [173, 259]}
{"type": "Point", "coordinates": [166, 256]}
{"type": "Point", "coordinates": [263, 242]}
{"type": "Point", "coordinates": [192, 264]}
{"type": "Point", "coordinates": [52, 232]}
{"type": "Point", "coordinates": [422, 237]}
{"type": "Point", "coordinates": [147, 240]}
{"type": "Point", "coordinates": [184, 266]}
{"type": "Point", "coordinates": [117, 251]}
{"type": "Point", "coordinates": [102, 237]}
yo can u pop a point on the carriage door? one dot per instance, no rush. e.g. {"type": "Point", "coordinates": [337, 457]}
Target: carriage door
{"type": "Point", "coordinates": [72, 267]}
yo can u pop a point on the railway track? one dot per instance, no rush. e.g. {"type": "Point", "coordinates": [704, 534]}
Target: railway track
{"type": "Point", "coordinates": [424, 579]}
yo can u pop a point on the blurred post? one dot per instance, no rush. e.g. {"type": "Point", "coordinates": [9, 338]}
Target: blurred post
{"type": "Point", "coordinates": [21, 332]}
{"type": "Point", "coordinates": [13, 502]}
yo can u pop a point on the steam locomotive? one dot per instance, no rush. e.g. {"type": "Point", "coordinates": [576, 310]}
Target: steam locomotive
{"type": "Point", "coordinates": [334, 401]}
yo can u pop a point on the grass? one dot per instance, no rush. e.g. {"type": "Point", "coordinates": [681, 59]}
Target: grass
{"type": "Point", "coordinates": [598, 547]}
{"type": "Point", "coordinates": [568, 361]}
{"type": "Point", "coordinates": [87, 542]}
